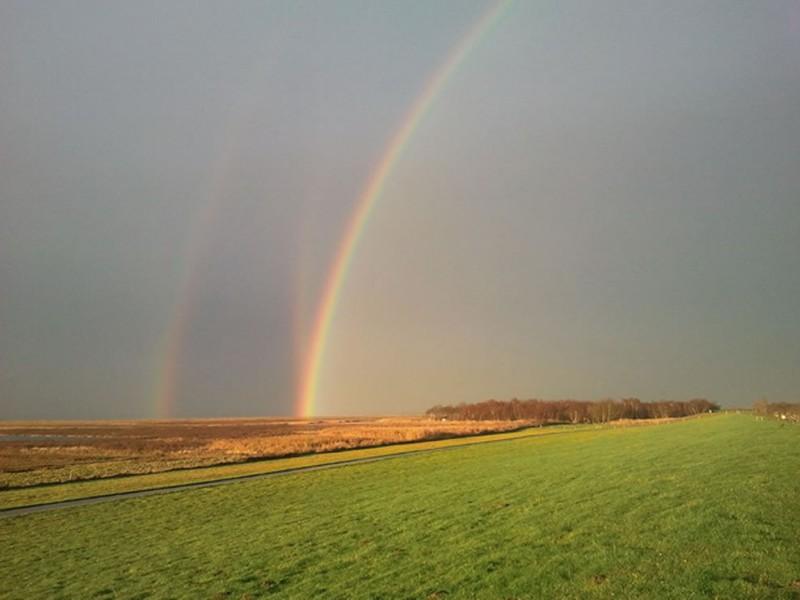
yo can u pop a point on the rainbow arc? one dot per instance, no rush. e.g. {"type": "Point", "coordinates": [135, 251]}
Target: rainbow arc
{"type": "Point", "coordinates": [167, 377]}
{"type": "Point", "coordinates": [337, 274]}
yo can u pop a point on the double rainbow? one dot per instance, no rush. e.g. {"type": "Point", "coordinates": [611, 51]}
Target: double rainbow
{"type": "Point", "coordinates": [305, 404]}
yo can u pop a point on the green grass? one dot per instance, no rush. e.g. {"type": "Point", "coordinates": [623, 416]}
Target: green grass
{"type": "Point", "coordinates": [698, 509]}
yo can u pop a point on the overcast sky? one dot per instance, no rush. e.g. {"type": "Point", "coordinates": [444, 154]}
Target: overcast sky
{"type": "Point", "coordinates": [603, 201]}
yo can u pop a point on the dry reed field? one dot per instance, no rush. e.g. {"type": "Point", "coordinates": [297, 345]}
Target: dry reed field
{"type": "Point", "coordinates": [41, 452]}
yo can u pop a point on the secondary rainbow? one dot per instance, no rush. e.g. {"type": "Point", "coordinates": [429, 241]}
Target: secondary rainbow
{"type": "Point", "coordinates": [171, 345]}
{"type": "Point", "coordinates": [170, 348]}
{"type": "Point", "coordinates": [337, 274]}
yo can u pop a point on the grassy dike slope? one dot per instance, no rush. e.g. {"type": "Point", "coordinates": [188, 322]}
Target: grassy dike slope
{"type": "Point", "coordinates": [700, 508]}
{"type": "Point", "coordinates": [76, 490]}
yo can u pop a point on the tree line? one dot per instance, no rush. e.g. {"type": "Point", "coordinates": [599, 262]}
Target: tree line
{"type": "Point", "coordinates": [570, 411]}
{"type": "Point", "coordinates": [779, 410]}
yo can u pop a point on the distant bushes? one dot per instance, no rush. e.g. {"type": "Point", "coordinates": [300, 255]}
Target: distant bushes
{"type": "Point", "coordinates": [777, 410]}
{"type": "Point", "coordinates": [571, 411]}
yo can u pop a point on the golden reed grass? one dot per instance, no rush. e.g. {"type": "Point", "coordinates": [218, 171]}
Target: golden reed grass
{"type": "Point", "coordinates": [35, 453]}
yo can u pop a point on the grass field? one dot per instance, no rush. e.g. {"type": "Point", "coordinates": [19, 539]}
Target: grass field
{"type": "Point", "coordinates": [694, 509]}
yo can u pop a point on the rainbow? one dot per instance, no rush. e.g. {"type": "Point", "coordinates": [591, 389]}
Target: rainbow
{"type": "Point", "coordinates": [167, 379]}
{"type": "Point", "coordinates": [170, 347]}
{"type": "Point", "coordinates": [337, 273]}
{"type": "Point", "coordinates": [164, 394]}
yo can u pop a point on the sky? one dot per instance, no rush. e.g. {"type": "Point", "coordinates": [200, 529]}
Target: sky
{"type": "Point", "coordinates": [601, 200]}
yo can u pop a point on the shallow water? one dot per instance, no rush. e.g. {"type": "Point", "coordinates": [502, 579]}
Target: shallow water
{"type": "Point", "coordinates": [41, 437]}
